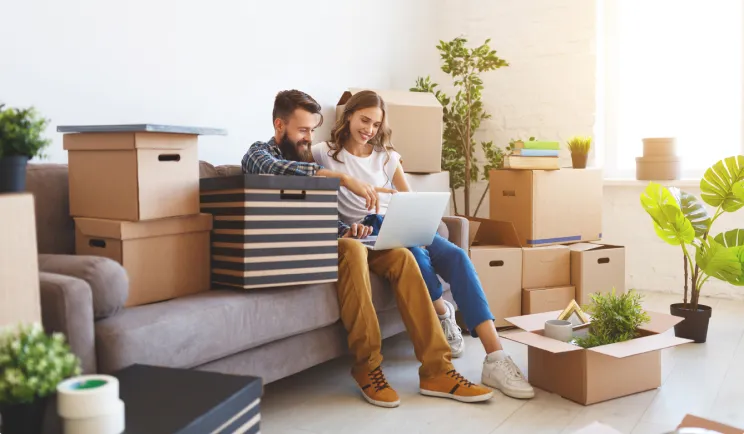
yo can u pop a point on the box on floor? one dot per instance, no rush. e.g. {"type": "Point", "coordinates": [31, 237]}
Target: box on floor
{"type": "Point", "coordinates": [431, 182]}
{"type": "Point", "coordinates": [581, 375]}
{"type": "Point", "coordinates": [692, 421]}
{"type": "Point", "coordinates": [416, 119]}
{"type": "Point", "coordinates": [548, 206]}
{"type": "Point", "coordinates": [546, 278]}
{"type": "Point", "coordinates": [164, 258]}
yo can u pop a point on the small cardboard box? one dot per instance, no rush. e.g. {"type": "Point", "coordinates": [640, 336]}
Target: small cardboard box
{"type": "Point", "coordinates": [545, 267]}
{"type": "Point", "coordinates": [497, 258]}
{"type": "Point", "coordinates": [164, 258]}
{"type": "Point", "coordinates": [592, 375]}
{"type": "Point", "coordinates": [597, 268]}
{"type": "Point", "coordinates": [431, 183]}
{"type": "Point", "coordinates": [691, 421]}
{"type": "Point", "coordinates": [416, 119]}
{"type": "Point", "coordinates": [19, 266]}
{"type": "Point", "coordinates": [546, 299]}
{"type": "Point", "coordinates": [549, 206]}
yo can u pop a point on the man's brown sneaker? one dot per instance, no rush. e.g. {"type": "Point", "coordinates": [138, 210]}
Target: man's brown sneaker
{"type": "Point", "coordinates": [455, 386]}
{"type": "Point", "coordinates": [376, 389]}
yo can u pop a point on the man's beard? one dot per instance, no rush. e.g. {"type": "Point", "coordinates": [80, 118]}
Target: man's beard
{"type": "Point", "coordinates": [290, 150]}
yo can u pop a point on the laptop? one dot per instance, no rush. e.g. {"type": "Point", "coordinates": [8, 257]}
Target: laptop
{"type": "Point", "coordinates": [411, 220]}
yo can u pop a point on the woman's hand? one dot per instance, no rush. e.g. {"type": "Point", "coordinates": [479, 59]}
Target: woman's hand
{"type": "Point", "coordinates": [366, 191]}
{"type": "Point", "coordinates": [358, 230]}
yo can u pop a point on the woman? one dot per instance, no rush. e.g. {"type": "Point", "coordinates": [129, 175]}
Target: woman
{"type": "Point", "coordinates": [360, 146]}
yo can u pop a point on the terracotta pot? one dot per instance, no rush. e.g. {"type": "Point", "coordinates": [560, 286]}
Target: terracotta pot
{"type": "Point", "coordinates": [695, 324]}
{"type": "Point", "coordinates": [579, 160]}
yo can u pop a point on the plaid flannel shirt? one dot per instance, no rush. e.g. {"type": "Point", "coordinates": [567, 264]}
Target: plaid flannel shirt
{"type": "Point", "coordinates": [265, 158]}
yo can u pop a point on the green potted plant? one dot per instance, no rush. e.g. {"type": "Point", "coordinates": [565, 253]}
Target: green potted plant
{"type": "Point", "coordinates": [615, 318]}
{"type": "Point", "coordinates": [681, 219]}
{"type": "Point", "coordinates": [21, 139]}
{"type": "Point", "coordinates": [32, 364]}
{"type": "Point", "coordinates": [579, 147]}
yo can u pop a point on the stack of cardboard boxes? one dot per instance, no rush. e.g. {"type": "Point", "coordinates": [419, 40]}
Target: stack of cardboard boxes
{"type": "Point", "coordinates": [134, 196]}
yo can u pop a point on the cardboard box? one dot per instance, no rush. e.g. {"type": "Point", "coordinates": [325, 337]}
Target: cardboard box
{"type": "Point", "coordinates": [497, 258]}
{"type": "Point", "coordinates": [549, 206]}
{"type": "Point", "coordinates": [272, 231]}
{"type": "Point", "coordinates": [19, 266]}
{"type": "Point", "coordinates": [164, 258]}
{"type": "Point", "coordinates": [132, 176]}
{"type": "Point", "coordinates": [416, 119]}
{"type": "Point", "coordinates": [545, 267]}
{"type": "Point", "coordinates": [546, 299]}
{"type": "Point", "coordinates": [691, 421]}
{"type": "Point", "coordinates": [597, 268]}
{"type": "Point", "coordinates": [592, 375]}
{"type": "Point", "coordinates": [432, 183]}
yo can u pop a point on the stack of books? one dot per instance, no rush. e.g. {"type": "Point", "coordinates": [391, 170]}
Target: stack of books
{"type": "Point", "coordinates": [534, 155]}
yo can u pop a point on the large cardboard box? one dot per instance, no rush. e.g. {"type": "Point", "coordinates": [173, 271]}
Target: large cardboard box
{"type": "Point", "coordinates": [592, 375]}
{"type": "Point", "coordinates": [597, 268]}
{"type": "Point", "coordinates": [544, 267]}
{"type": "Point", "coordinates": [546, 299]}
{"type": "Point", "coordinates": [416, 119]}
{"type": "Point", "coordinates": [133, 172]}
{"type": "Point", "coordinates": [692, 421]}
{"type": "Point", "coordinates": [19, 266]}
{"type": "Point", "coordinates": [549, 206]}
{"type": "Point", "coordinates": [497, 258]}
{"type": "Point", "coordinates": [272, 231]}
{"type": "Point", "coordinates": [164, 258]}
{"type": "Point", "coordinates": [431, 183]}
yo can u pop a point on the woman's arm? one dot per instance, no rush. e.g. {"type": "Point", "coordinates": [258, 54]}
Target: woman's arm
{"type": "Point", "coordinates": [399, 180]}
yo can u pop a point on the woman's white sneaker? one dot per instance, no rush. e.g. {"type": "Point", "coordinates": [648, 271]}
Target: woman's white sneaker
{"type": "Point", "coordinates": [504, 375]}
{"type": "Point", "coordinates": [452, 331]}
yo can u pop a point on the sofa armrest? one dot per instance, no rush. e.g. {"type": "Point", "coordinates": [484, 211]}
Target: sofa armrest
{"type": "Point", "coordinates": [459, 228]}
{"type": "Point", "coordinates": [108, 280]}
{"type": "Point", "coordinates": [67, 307]}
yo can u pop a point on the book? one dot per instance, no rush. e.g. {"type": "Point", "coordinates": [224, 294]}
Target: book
{"type": "Point", "coordinates": [542, 145]}
{"type": "Point", "coordinates": [537, 152]}
{"type": "Point", "coordinates": [531, 163]}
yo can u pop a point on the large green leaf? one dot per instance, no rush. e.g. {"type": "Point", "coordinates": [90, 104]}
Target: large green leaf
{"type": "Point", "coordinates": [718, 184]}
{"type": "Point", "coordinates": [734, 240]}
{"type": "Point", "coordinates": [670, 223]}
{"type": "Point", "coordinates": [719, 261]}
{"type": "Point", "coordinates": [739, 190]}
{"type": "Point", "coordinates": [693, 209]}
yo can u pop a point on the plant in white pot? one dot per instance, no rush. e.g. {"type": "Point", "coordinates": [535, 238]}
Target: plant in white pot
{"type": "Point", "coordinates": [21, 139]}
{"type": "Point", "coordinates": [681, 219]}
{"type": "Point", "coordinates": [32, 364]}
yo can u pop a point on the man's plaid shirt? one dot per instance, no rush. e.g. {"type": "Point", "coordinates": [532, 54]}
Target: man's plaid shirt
{"type": "Point", "coordinates": [265, 158]}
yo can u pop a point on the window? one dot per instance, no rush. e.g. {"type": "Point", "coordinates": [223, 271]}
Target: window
{"type": "Point", "coordinates": [669, 68]}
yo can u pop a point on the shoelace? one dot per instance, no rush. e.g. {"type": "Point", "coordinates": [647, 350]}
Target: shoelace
{"type": "Point", "coordinates": [511, 369]}
{"type": "Point", "coordinates": [378, 379]}
{"type": "Point", "coordinates": [449, 326]}
{"type": "Point", "coordinates": [459, 378]}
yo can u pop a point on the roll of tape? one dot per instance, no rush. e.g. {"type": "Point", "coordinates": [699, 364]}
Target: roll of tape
{"type": "Point", "coordinates": [112, 423]}
{"type": "Point", "coordinates": [87, 396]}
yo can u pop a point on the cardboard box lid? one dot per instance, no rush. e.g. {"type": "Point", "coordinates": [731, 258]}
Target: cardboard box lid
{"type": "Point", "coordinates": [487, 232]}
{"type": "Point", "coordinates": [398, 97]}
{"type": "Point", "coordinates": [660, 322]}
{"type": "Point", "coordinates": [585, 247]}
{"type": "Point", "coordinates": [128, 141]}
{"type": "Point", "coordinates": [641, 345]}
{"type": "Point", "coordinates": [692, 421]}
{"type": "Point", "coordinates": [143, 128]}
{"type": "Point", "coordinates": [124, 230]}
{"type": "Point", "coordinates": [539, 341]}
{"type": "Point", "coordinates": [534, 322]}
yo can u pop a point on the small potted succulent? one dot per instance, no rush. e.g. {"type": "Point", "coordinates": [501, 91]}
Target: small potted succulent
{"type": "Point", "coordinates": [579, 147]}
{"type": "Point", "coordinates": [21, 139]}
{"type": "Point", "coordinates": [32, 363]}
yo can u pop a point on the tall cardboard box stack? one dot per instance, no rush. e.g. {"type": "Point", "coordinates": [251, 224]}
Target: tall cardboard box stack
{"type": "Point", "coordinates": [546, 279]}
{"type": "Point", "coordinates": [134, 196]}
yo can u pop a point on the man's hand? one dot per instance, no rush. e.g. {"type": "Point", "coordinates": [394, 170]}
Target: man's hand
{"type": "Point", "coordinates": [366, 191]}
{"type": "Point", "coordinates": [358, 230]}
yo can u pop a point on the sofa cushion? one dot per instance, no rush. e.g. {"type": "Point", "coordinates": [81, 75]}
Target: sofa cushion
{"type": "Point", "coordinates": [55, 229]}
{"type": "Point", "coordinates": [200, 328]}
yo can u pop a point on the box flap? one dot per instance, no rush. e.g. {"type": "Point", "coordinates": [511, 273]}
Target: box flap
{"type": "Point", "coordinates": [639, 346]}
{"type": "Point", "coordinates": [117, 141]}
{"type": "Point", "coordinates": [692, 421]}
{"type": "Point", "coordinates": [660, 322]}
{"type": "Point", "coordinates": [533, 322]}
{"type": "Point", "coordinates": [487, 232]}
{"type": "Point", "coordinates": [539, 341]}
{"type": "Point", "coordinates": [397, 97]}
{"type": "Point", "coordinates": [124, 230]}
{"type": "Point", "coordinates": [585, 247]}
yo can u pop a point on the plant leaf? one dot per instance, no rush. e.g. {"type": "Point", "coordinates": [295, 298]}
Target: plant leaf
{"type": "Point", "coordinates": [694, 210]}
{"type": "Point", "coordinates": [718, 261]}
{"type": "Point", "coordinates": [670, 223]}
{"type": "Point", "coordinates": [734, 240]}
{"type": "Point", "coordinates": [718, 184]}
{"type": "Point", "coordinates": [739, 190]}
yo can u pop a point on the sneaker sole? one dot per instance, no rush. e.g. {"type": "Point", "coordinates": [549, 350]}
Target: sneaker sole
{"type": "Point", "coordinates": [379, 403]}
{"type": "Point", "coordinates": [468, 399]}
{"type": "Point", "coordinates": [511, 394]}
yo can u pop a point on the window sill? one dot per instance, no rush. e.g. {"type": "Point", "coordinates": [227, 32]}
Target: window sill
{"type": "Point", "coordinates": [621, 182]}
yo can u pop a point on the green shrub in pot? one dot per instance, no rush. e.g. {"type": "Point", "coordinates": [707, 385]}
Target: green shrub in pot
{"type": "Point", "coordinates": [615, 318]}
{"type": "Point", "coordinates": [21, 139]}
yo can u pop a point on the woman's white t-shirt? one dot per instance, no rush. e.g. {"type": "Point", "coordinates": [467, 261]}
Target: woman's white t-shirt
{"type": "Point", "coordinates": [373, 170]}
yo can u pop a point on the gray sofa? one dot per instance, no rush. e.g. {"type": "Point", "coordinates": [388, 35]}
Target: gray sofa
{"type": "Point", "coordinates": [270, 333]}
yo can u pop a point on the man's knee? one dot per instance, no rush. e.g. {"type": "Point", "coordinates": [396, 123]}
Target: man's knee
{"type": "Point", "coordinates": [351, 249]}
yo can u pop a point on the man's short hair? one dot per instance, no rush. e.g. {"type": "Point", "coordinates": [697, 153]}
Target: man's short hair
{"type": "Point", "coordinates": [287, 101]}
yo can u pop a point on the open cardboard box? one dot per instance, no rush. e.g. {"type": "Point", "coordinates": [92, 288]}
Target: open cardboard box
{"type": "Point", "coordinates": [592, 375]}
{"type": "Point", "coordinates": [691, 421]}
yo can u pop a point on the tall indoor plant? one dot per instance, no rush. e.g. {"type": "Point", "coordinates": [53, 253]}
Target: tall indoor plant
{"type": "Point", "coordinates": [21, 139]}
{"type": "Point", "coordinates": [463, 113]}
{"type": "Point", "coordinates": [681, 219]}
{"type": "Point", "coordinates": [32, 363]}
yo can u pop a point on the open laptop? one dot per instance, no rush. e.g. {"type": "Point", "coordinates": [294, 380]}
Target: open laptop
{"type": "Point", "coordinates": [411, 220]}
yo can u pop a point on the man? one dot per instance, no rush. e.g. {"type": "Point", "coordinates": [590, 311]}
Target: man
{"type": "Point", "coordinates": [296, 115]}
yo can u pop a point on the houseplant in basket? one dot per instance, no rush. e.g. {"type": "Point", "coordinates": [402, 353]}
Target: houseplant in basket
{"type": "Point", "coordinates": [32, 363]}
{"type": "Point", "coordinates": [579, 147]}
{"type": "Point", "coordinates": [681, 219]}
{"type": "Point", "coordinates": [20, 140]}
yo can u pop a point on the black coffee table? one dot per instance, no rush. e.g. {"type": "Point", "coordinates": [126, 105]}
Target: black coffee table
{"type": "Point", "coordinates": [166, 401]}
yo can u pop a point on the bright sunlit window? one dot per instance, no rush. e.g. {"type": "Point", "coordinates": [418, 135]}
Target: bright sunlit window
{"type": "Point", "coordinates": [669, 68]}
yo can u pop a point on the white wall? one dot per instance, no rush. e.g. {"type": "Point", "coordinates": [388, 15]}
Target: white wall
{"type": "Point", "coordinates": [191, 62]}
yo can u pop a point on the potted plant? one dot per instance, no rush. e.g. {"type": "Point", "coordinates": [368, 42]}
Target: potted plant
{"type": "Point", "coordinates": [32, 363]}
{"type": "Point", "coordinates": [20, 140]}
{"type": "Point", "coordinates": [614, 318]}
{"type": "Point", "coordinates": [680, 219]}
{"type": "Point", "coordinates": [579, 147]}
